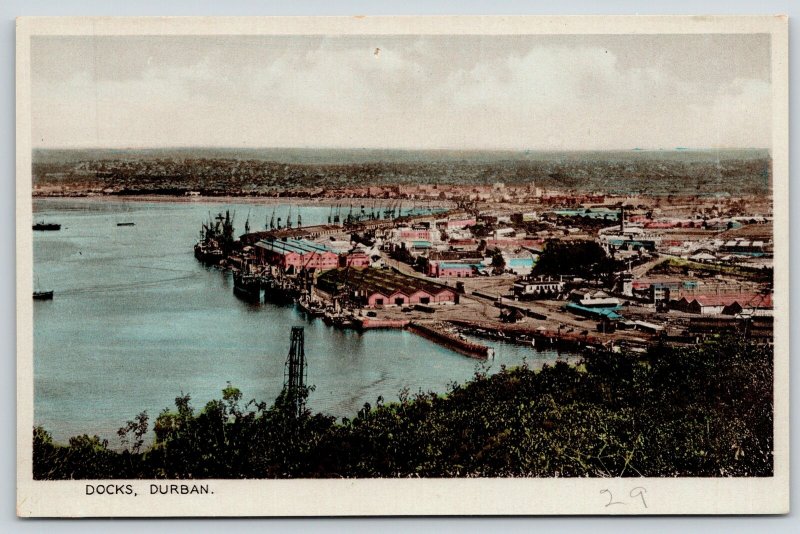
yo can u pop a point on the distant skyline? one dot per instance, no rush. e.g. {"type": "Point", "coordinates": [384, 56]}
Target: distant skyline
{"type": "Point", "coordinates": [556, 92]}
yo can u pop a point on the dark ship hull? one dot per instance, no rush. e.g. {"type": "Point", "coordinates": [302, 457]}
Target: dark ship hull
{"type": "Point", "coordinates": [278, 293]}
{"type": "Point", "coordinates": [47, 227]}
{"type": "Point", "coordinates": [207, 255]}
{"type": "Point", "coordinates": [247, 288]}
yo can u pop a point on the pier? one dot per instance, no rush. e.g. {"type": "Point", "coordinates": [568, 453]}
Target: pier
{"type": "Point", "coordinates": [437, 333]}
{"type": "Point", "coordinates": [537, 338]}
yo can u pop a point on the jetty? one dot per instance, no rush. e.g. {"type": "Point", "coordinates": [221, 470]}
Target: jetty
{"type": "Point", "coordinates": [537, 337]}
{"type": "Point", "coordinates": [437, 333]}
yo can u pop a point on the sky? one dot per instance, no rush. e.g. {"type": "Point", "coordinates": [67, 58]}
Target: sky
{"type": "Point", "coordinates": [521, 92]}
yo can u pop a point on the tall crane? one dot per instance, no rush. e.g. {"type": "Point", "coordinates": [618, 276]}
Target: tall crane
{"type": "Point", "coordinates": [295, 374]}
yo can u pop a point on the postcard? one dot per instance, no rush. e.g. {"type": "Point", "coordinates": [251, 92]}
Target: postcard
{"type": "Point", "coordinates": [310, 266]}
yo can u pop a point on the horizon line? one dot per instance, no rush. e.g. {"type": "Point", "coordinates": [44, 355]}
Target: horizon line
{"type": "Point", "coordinates": [403, 149]}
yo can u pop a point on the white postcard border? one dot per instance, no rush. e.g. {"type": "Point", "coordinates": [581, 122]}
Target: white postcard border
{"type": "Point", "coordinates": [417, 496]}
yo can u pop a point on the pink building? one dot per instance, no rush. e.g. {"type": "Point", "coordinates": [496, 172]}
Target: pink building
{"type": "Point", "coordinates": [376, 288]}
{"type": "Point", "coordinates": [461, 223]}
{"type": "Point", "coordinates": [296, 254]}
{"type": "Point", "coordinates": [401, 298]}
{"type": "Point", "coordinates": [354, 260]}
{"type": "Point", "coordinates": [407, 234]}
{"type": "Point", "coordinates": [451, 269]}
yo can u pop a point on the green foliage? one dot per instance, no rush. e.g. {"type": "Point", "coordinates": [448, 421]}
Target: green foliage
{"type": "Point", "coordinates": [138, 426]}
{"type": "Point", "coordinates": [701, 411]}
{"type": "Point", "coordinates": [586, 259]}
{"type": "Point", "coordinates": [498, 261]}
{"type": "Point", "coordinates": [86, 457]}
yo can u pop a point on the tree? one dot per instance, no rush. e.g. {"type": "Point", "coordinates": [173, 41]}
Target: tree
{"type": "Point", "coordinates": [586, 259]}
{"type": "Point", "coordinates": [498, 261]}
{"type": "Point", "coordinates": [138, 426]}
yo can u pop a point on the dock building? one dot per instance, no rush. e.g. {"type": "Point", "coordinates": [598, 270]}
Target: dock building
{"type": "Point", "coordinates": [296, 254]}
{"type": "Point", "coordinates": [593, 299]}
{"type": "Point", "coordinates": [754, 303]}
{"type": "Point", "coordinates": [377, 288]}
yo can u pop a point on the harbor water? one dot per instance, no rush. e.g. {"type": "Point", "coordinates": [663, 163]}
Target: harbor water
{"type": "Point", "coordinates": [136, 321]}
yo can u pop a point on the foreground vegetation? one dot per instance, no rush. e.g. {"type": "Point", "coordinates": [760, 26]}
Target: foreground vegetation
{"type": "Point", "coordinates": [702, 411]}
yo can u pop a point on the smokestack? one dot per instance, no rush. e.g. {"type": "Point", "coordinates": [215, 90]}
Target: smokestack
{"type": "Point", "coordinates": [622, 219]}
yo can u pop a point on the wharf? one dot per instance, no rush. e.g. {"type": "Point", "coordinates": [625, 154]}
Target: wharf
{"type": "Point", "coordinates": [538, 337]}
{"type": "Point", "coordinates": [368, 323]}
{"type": "Point", "coordinates": [437, 333]}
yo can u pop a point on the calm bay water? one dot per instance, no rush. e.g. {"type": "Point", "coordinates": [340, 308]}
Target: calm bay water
{"type": "Point", "coordinates": [136, 321]}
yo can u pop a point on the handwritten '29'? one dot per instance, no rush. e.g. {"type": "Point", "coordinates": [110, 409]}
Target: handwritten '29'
{"type": "Point", "coordinates": [636, 493]}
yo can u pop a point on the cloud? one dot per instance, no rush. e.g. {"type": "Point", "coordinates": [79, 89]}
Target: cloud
{"type": "Point", "coordinates": [415, 93]}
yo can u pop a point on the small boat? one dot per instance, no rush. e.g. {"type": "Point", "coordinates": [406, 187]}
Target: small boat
{"type": "Point", "coordinates": [343, 322]}
{"type": "Point", "coordinates": [43, 295]}
{"type": "Point", "coordinates": [310, 307]}
{"type": "Point", "coordinates": [41, 226]}
{"type": "Point", "coordinates": [126, 224]}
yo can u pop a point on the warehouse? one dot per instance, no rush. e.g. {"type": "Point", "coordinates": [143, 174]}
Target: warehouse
{"type": "Point", "coordinates": [376, 288]}
{"type": "Point", "coordinates": [723, 304]}
{"type": "Point", "coordinates": [296, 254]}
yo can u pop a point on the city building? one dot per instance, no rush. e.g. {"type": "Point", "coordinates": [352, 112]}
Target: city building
{"type": "Point", "coordinates": [522, 266]}
{"type": "Point", "coordinates": [461, 222]}
{"type": "Point", "coordinates": [723, 304]}
{"type": "Point", "coordinates": [593, 299]}
{"type": "Point", "coordinates": [439, 269]}
{"type": "Point", "coordinates": [744, 247]}
{"type": "Point", "coordinates": [537, 289]}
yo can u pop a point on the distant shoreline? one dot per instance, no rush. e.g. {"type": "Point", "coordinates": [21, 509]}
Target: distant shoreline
{"type": "Point", "coordinates": [232, 199]}
{"type": "Point", "coordinates": [356, 156]}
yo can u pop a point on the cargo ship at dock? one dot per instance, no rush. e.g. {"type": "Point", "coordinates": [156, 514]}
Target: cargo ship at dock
{"type": "Point", "coordinates": [207, 254]}
{"type": "Point", "coordinates": [247, 287]}
{"type": "Point", "coordinates": [279, 290]}
{"type": "Point", "coordinates": [216, 239]}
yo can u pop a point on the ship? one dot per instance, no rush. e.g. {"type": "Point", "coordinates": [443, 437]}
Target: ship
{"type": "Point", "coordinates": [43, 295]}
{"type": "Point", "coordinates": [279, 290]}
{"type": "Point", "coordinates": [338, 320]}
{"type": "Point", "coordinates": [247, 287]}
{"type": "Point", "coordinates": [208, 253]}
{"type": "Point", "coordinates": [126, 224]}
{"type": "Point", "coordinates": [216, 239]}
{"type": "Point", "coordinates": [42, 226]}
{"type": "Point", "coordinates": [312, 308]}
